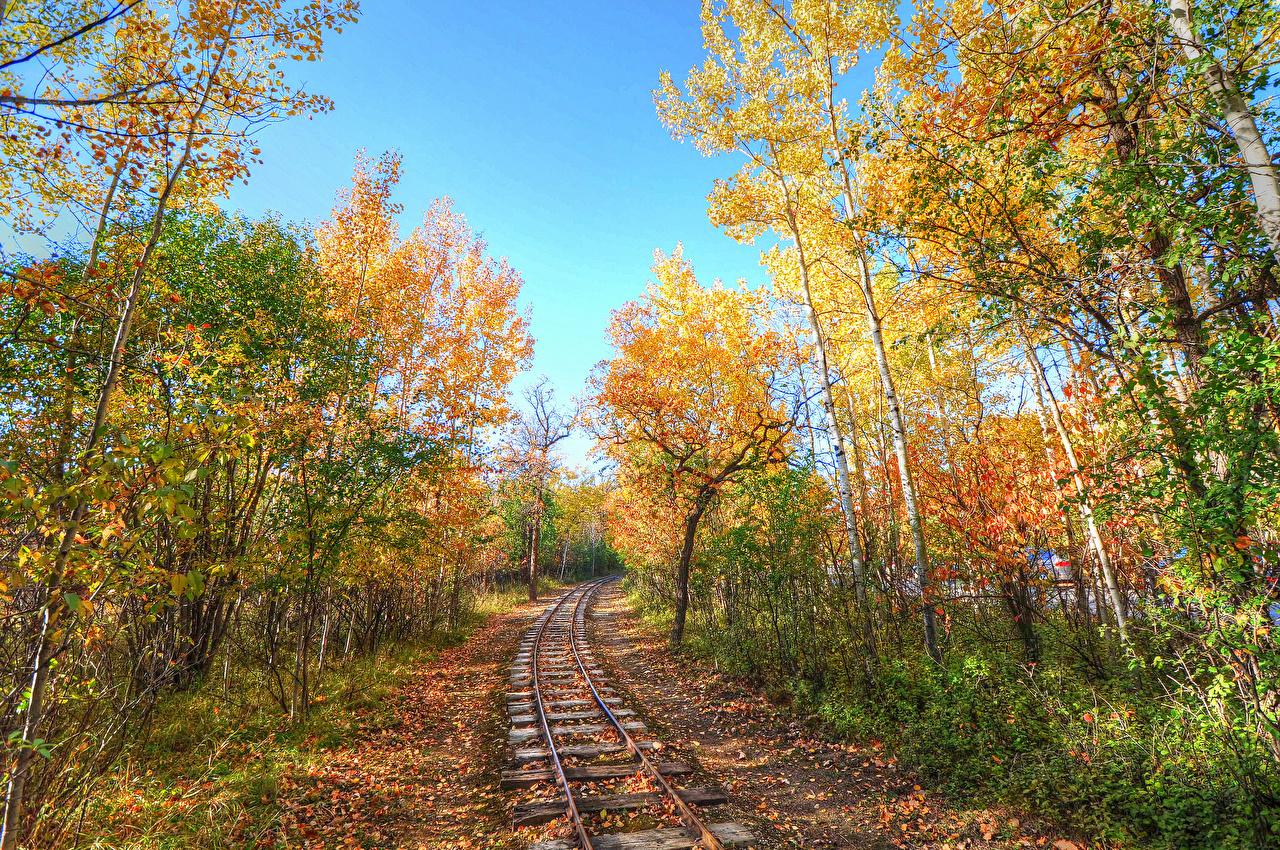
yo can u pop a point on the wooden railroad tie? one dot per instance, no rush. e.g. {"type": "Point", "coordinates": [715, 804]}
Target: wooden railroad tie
{"type": "Point", "coordinates": [531, 814]}
{"type": "Point", "coordinates": [730, 835]}
{"type": "Point", "coordinates": [579, 750]}
{"type": "Point", "coordinates": [588, 773]}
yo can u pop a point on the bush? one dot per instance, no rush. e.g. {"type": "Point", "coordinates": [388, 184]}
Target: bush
{"type": "Point", "coordinates": [1109, 759]}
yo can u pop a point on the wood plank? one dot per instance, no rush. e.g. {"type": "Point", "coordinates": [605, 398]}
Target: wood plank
{"type": "Point", "coordinates": [730, 835]}
{"type": "Point", "coordinates": [580, 750]}
{"type": "Point", "coordinates": [571, 692]}
{"type": "Point", "coordinates": [525, 680]}
{"type": "Point", "coordinates": [571, 715]}
{"type": "Point", "coordinates": [526, 707]}
{"type": "Point", "coordinates": [527, 719]}
{"type": "Point", "coordinates": [526, 660]}
{"type": "Point", "coordinates": [531, 814]}
{"type": "Point", "coordinates": [519, 736]}
{"type": "Point", "coordinates": [589, 773]}
{"type": "Point", "coordinates": [526, 696]}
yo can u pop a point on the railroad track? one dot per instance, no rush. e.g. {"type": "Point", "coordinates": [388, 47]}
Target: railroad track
{"type": "Point", "coordinates": [568, 730]}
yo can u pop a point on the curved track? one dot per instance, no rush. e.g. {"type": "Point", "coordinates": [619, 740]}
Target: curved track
{"type": "Point", "coordinates": [554, 671]}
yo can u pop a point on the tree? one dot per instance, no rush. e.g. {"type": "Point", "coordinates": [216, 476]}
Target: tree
{"type": "Point", "coordinates": [768, 91]}
{"type": "Point", "coordinates": [540, 427]}
{"type": "Point", "coordinates": [694, 397]}
{"type": "Point", "coordinates": [191, 139]}
{"type": "Point", "coordinates": [1240, 118]}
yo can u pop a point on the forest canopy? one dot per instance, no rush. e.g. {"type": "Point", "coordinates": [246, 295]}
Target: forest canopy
{"type": "Point", "coordinates": [987, 471]}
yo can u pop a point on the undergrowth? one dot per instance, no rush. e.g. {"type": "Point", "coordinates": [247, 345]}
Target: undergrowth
{"type": "Point", "coordinates": [209, 769]}
{"type": "Point", "coordinates": [1120, 759]}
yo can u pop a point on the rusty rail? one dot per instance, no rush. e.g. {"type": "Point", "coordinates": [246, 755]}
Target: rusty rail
{"type": "Point", "coordinates": [691, 820]}
{"type": "Point", "coordinates": [571, 809]}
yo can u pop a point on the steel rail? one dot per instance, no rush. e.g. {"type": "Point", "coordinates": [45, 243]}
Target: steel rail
{"type": "Point", "coordinates": [706, 838]}
{"type": "Point", "coordinates": [571, 808]}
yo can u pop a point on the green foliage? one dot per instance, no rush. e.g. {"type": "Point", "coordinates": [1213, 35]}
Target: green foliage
{"type": "Point", "coordinates": [230, 517]}
{"type": "Point", "coordinates": [208, 774]}
{"type": "Point", "coordinates": [1159, 754]}
{"type": "Point", "coordinates": [1113, 759]}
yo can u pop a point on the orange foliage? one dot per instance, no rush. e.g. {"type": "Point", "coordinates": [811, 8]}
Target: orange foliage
{"type": "Point", "coordinates": [440, 310]}
{"type": "Point", "coordinates": [695, 397]}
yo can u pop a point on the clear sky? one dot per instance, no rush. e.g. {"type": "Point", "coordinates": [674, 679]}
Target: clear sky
{"type": "Point", "coordinates": [537, 118]}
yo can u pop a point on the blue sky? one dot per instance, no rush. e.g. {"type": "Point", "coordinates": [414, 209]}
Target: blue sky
{"type": "Point", "coordinates": [537, 119]}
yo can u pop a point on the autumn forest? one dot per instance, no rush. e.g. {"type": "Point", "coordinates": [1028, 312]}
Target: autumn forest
{"type": "Point", "coordinates": [978, 477]}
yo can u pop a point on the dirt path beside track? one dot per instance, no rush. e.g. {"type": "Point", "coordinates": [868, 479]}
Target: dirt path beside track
{"type": "Point", "coordinates": [789, 782]}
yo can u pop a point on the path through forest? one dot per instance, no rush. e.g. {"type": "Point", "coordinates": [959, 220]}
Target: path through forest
{"type": "Point", "coordinates": [793, 785]}
{"type": "Point", "coordinates": [430, 778]}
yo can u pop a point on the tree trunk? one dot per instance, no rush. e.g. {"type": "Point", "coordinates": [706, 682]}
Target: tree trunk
{"type": "Point", "coordinates": [1017, 601]}
{"type": "Point", "coordinates": [67, 423]}
{"type": "Point", "coordinates": [828, 399]}
{"type": "Point", "coordinates": [1253, 150]}
{"type": "Point", "coordinates": [1073, 549]}
{"type": "Point", "coordinates": [808, 420]}
{"type": "Point", "coordinates": [859, 467]}
{"type": "Point", "coordinates": [682, 571]}
{"type": "Point", "coordinates": [27, 748]}
{"type": "Point", "coordinates": [1086, 512]}
{"type": "Point", "coordinates": [535, 542]}
{"type": "Point", "coordinates": [324, 635]}
{"type": "Point", "coordinates": [455, 595]}
{"type": "Point", "coordinates": [898, 425]}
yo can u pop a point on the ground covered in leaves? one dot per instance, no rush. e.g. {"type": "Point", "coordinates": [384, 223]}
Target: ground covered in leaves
{"type": "Point", "coordinates": [403, 751]}
{"type": "Point", "coordinates": [420, 769]}
{"type": "Point", "coordinates": [429, 778]}
{"type": "Point", "coordinates": [787, 778]}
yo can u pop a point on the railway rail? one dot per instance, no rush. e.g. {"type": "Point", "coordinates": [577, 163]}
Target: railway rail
{"type": "Point", "coordinates": [559, 694]}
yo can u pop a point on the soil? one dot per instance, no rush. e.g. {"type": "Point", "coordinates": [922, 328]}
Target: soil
{"type": "Point", "coordinates": [430, 777]}
{"type": "Point", "coordinates": [787, 777]}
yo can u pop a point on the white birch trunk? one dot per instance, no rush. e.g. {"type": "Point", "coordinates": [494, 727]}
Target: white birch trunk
{"type": "Point", "coordinates": [897, 424]}
{"type": "Point", "coordinates": [1086, 512]}
{"type": "Point", "coordinates": [828, 397]}
{"type": "Point", "coordinates": [1253, 150]}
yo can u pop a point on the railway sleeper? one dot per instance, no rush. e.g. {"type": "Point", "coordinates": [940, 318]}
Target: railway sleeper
{"type": "Point", "coordinates": [589, 773]}
{"type": "Point", "coordinates": [553, 671]}
{"type": "Point", "coordinates": [580, 750]}
{"type": "Point", "coordinates": [556, 675]}
{"type": "Point", "coordinates": [531, 814]}
{"type": "Point", "coordinates": [552, 677]}
{"type": "Point", "coordinates": [527, 696]}
{"type": "Point", "coordinates": [571, 693]}
{"type": "Point", "coordinates": [730, 835]}
{"type": "Point", "coordinates": [549, 658]}
{"type": "Point", "coordinates": [524, 706]}
{"type": "Point", "coordinates": [522, 719]}
{"type": "Point", "coordinates": [520, 736]}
